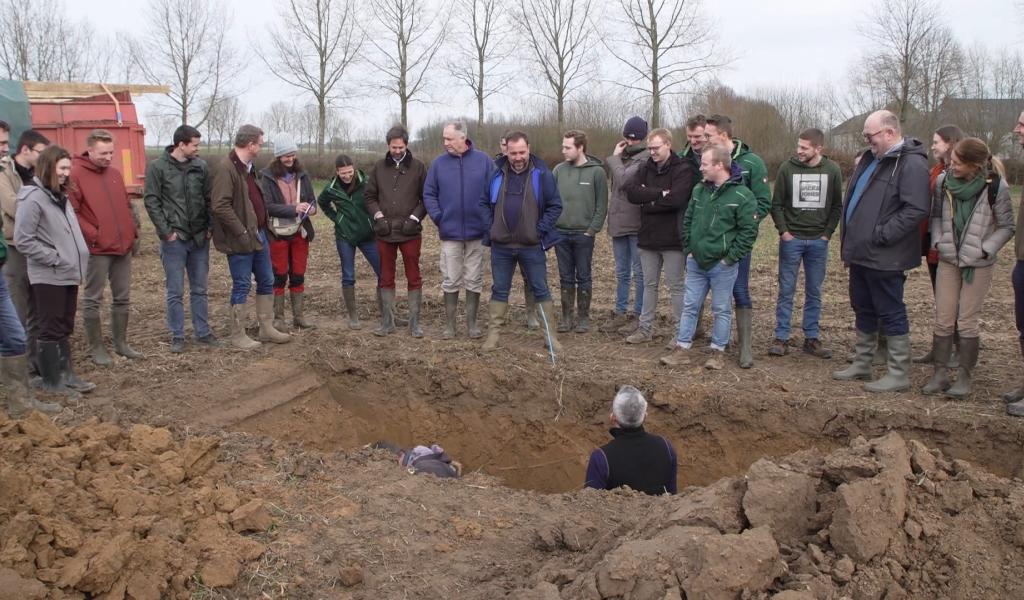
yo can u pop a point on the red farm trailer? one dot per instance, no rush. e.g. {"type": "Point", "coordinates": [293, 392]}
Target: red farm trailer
{"type": "Point", "coordinates": [67, 112]}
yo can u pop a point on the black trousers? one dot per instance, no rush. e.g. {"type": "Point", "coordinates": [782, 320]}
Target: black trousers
{"type": "Point", "coordinates": [55, 310]}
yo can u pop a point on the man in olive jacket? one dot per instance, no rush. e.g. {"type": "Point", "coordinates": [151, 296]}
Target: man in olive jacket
{"type": "Point", "coordinates": [719, 229]}
{"type": "Point", "coordinates": [177, 199]}
{"type": "Point", "coordinates": [240, 231]}
{"type": "Point", "coordinates": [394, 199]}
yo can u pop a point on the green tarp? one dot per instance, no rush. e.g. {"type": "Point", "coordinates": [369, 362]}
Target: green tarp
{"type": "Point", "coordinates": [14, 108]}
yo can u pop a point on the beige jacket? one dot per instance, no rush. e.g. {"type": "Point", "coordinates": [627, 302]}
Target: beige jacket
{"type": "Point", "coordinates": [10, 183]}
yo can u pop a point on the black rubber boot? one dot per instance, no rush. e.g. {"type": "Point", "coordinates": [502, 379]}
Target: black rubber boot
{"type": "Point", "coordinates": [451, 309]}
{"type": "Point", "coordinates": [568, 308]}
{"type": "Point", "coordinates": [583, 310]}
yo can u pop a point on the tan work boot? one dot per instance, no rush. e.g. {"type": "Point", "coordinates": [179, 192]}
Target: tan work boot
{"type": "Point", "coordinates": [498, 312]}
{"type": "Point", "coordinates": [679, 357]}
{"type": "Point", "coordinates": [716, 362]}
{"type": "Point", "coordinates": [265, 317]}
{"type": "Point", "coordinates": [238, 338]}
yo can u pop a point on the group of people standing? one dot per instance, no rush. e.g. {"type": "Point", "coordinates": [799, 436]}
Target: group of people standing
{"type": "Point", "coordinates": [692, 215]}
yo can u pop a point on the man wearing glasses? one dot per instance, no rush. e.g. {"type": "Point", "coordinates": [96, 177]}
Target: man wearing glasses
{"type": "Point", "coordinates": [886, 199]}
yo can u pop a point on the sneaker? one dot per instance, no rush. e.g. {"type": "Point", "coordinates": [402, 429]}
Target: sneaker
{"type": "Point", "coordinates": [177, 345]}
{"type": "Point", "coordinates": [640, 336]}
{"type": "Point", "coordinates": [779, 347]}
{"type": "Point", "coordinates": [813, 347]}
{"type": "Point", "coordinates": [209, 340]}
{"type": "Point", "coordinates": [678, 357]}
{"type": "Point", "coordinates": [716, 362]}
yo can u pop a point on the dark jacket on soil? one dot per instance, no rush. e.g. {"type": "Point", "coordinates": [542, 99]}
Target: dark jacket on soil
{"type": "Point", "coordinates": [275, 202]}
{"type": "Point", "coordinates": [661, 214]}
{"type": "Point", "coordinates": [541, 206]}
{"type": "Point", "coordinates": [397, 191]}
{"type": "Point", "coordinates": [986, 232]}
{"type": "Point", "coordinates": [105, 214]}
{"type": "Point", "coordinates": [235, 223]}
{"type": "Point", "coordinates": [883, 231]}
{"type": "Point", "coordinates": [584, 193]}
{"type": "Point", "coordinates": [643, 461]}
{"type": "Point", "coordinates": [177, 197]}
{"type": "Point", "coordinates": [344, 207]}
{"type": "Point", "coordinates": [453, 190]}
{"type": "Point", "coordinates": [720, 223]}
{"type": "Point", "coordinates": [48, 235]}
{"type": "Point", "coordinates": [808, 201]}
{"type": "Point", "coordinates": [623, 215]}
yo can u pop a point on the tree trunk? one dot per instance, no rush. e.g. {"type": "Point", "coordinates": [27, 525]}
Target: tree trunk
{"type": "Point", "coordinates": [321, 125]}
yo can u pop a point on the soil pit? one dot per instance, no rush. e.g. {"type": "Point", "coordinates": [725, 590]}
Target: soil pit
{"type": "Point", "coordinates": [546, 449]}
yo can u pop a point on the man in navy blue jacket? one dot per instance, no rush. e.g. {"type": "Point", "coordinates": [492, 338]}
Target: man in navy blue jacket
{"type": "Point", "coordinates": [520, 210]}
{"type": "Point", "coordinates": [456, 184]}
{"type": "Point", "coordinates": [643, 461]}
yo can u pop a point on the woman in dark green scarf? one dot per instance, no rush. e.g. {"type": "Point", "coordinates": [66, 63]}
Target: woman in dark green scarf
{"type": "Point", "coordinates": [971, 220]}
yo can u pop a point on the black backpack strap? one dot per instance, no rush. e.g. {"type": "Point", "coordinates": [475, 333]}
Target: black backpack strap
{"type": "Point", "coordinates": [993, 190]}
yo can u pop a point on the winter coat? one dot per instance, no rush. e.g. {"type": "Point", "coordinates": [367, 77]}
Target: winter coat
{"type": "Point", "coordinates": [452, 192]}
{"type": "Point", "coordinates": [235, 224]}
{"type": "Point", "coordinates": [720, 223]}
{"type": "Point", "coordinates": [396, 191]}
{"type": "Point", "coordinates": [584, 193]}
{"type": "Point", "coordinates": [542, 190]}
{"type": "Point", "coordinates": [643, 461]}
{"type": "Point", "coordinates": [50, 238]}
{"type": "Point", "coordinates": [755, 177]}
{"type": "Point", "coordinates": [352, 223]}
{"type": "Point", "coordinates": [623, 215]}
{"type": "Point", "coordinates": [105, 214]}
{"type": "Point", "coordinates": [276, 205]}
{"type": "Point", "coordinates": [10, 183]}
{"type": "Point", "coordinates": [882, 233]}
{"type": "Point", "coordinates": [177, 197]}
{"type": "Point", "coordinates": [661, 214]}
{"type": "Point", "coordinates": [987, 231]}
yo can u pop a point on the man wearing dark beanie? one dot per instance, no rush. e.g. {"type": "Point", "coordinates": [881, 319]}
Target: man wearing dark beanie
{"type": "Point", "coordinates": [624, 226]}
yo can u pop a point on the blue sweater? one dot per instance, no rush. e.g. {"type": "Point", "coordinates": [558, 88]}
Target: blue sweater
{"type": "Point", "coordinates": [453, 192]}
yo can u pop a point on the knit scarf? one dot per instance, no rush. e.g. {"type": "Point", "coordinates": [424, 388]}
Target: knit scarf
{"type": "Point", "coordinates": [963, 194]}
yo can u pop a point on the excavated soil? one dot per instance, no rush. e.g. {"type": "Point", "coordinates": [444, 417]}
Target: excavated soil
{"type": "Point", "coordinates": [802, 493]}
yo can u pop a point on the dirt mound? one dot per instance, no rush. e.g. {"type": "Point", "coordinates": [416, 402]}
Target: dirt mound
{"type": "Point", "coordinates": [100, 511]}
{"type": "Point", "coordinates": [877, 519]}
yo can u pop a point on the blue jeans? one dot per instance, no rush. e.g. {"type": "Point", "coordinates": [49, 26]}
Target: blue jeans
{"type": "Point", "coordinates": [877, 299]}
{"type": "Point", "coordinates": [532, 263]}
{"type": "Point", "coordinates": [627, 262]}
{"type": "Point", "coordinates": [12, 334]}
{"type": "Point", "coordinates": [741, 290]}
{"type": "Point", "coordinates": [575, 253]}
{"type": "Point", "coordinates": [181, 257]}
{"type": "Point", "coordinates": [244, 266]}
{"type": "Point", "coordinates": [720, 279]}
{"type": "Point", "coordinates": [347, 254]}
{"type": "Point", "coordinates": [814, 255]}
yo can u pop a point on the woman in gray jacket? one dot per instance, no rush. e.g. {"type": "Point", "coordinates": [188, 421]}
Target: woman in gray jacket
{"type": "Point", "coordinates": [971, 219]}
{"type": "Point", "coordinates": [46, 232]}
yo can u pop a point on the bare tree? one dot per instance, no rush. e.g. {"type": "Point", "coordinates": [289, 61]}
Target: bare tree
{"type": "Point", "coordinates": [940, 72]}
{"type": "Point", "coordinates": [186, 46]}
{"type": "Point", "coordinates": [224, 119]}
{"type": "Point", "coordinates": [41, 44]}
{"type": "Point", "coordinates": [480, 65]}
{"type": "Point", "coordinates": [664, 44]}
{"type": "Point", "coordinates": [312, 45]}
{"type": "Point", "coordinates": [280, 117]}
{"type": "Point", "coordinates": [561, 35]}
{"type": "Point", "coordinates": [407, 40]}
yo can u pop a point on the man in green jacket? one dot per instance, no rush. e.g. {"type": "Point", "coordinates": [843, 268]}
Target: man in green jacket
{"type": "Point", "coordinates": [583, 186]}
{"type": "Point", "coordinates": [806, 206]}
{"type": "Point", "coordinates": [177, 198]}
{"type": "Point", "coordinates": [719, 229]}
{"type": "Point", "coordinates": [718, 130]}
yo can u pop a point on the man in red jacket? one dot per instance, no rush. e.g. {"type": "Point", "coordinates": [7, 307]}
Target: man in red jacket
{"type": "Point", "coordinates": [110, 226]}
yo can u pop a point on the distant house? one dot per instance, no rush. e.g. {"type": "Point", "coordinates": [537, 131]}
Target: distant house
{"type": "Point", "coordinates": [990, 119]}
{"type": "Point", "coordinates": [848, 136]}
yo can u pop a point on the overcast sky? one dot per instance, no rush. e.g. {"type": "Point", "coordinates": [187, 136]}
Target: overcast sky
{"type": "Point", "coordinates": [776, 42]}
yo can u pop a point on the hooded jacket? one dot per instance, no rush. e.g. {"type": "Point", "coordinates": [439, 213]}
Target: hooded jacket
{"type": "Point", "coordinates": [542, 190]}
{"type": "Point", "coordinates": [177, 197]}
{"type": "Point", "coordinates": [882, 233]}
{"type": "Point", "coordinates": [105, 214]}
{"type": "Point", "coordinates": [720, 223]}
{"type": "Point", "coordinates": [660, 213]}
{"type": "Point", "coordinates": [755, 176]}
{"type": "Point", "coordinates": [808, 201]}
{"type": "Point", "coordinates": [584, 193]}
{"type": "Point", "coordinates": [987, 231]}
{"type": "Point", "coordinates": [346, 210]}
{"type": "Point", "coordinates": [276, 205]}
{"type": "Point", "coordinates": [623, 215]}
{"type": "Point", "coordinates": [49, 236]}
{"type": "Point", "coordinates": [453, 190]}
{"type": "Point", "coordinates": [396, 191]}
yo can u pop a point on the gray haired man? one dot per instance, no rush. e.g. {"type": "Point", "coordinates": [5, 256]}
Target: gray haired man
{"type": "Point", "coordinates": [642, 461]}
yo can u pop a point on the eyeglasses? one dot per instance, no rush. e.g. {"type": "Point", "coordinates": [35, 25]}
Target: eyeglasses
{"type": "Point", "coordinates": [655, 148]}
{"type": "Point", "coordinates": [868, 136]}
